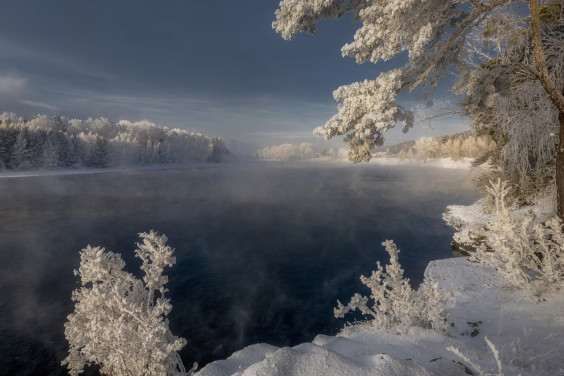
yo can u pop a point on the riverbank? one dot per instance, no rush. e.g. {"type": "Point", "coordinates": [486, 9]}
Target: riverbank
{"type": "Point", "coordinates": [461, 163]}
{"type": "Point", "coordinates": [527, 336]}
{"type": "Point", "coordinates": [83, 171]}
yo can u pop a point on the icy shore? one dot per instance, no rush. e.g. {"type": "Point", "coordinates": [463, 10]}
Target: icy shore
{"type": "Point", "coordinates": [529, 337]}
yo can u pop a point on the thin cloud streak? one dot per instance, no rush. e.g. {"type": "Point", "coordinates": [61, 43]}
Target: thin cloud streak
{"type": "Point", "coordinates": [39, 105]}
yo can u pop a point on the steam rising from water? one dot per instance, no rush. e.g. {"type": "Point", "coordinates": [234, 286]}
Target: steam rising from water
{"type": "Point", "coordinates": [263, 250]}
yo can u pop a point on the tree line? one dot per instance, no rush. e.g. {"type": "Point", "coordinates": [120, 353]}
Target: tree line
{"type": "Point", "coordinates": [57, 142]}
{"type": "Point", "coordinates": [460, 145]}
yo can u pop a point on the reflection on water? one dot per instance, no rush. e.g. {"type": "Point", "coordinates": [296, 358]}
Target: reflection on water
{"type": "Point", "coordinates": [263, 251]}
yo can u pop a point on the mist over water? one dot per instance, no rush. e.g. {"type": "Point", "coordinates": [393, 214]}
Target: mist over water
{"type": "Point", "coordinates": [263, 250]}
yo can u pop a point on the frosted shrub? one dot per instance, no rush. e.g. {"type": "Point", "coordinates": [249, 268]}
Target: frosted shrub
{"type": "Point", "coordinates": [528, 254]}
{"type": "Point", "coordinates": [119, 322]}
{"type": "Point", "coordinates": [396, 305]}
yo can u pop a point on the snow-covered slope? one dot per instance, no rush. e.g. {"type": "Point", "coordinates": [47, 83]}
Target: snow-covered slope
{"type": "Point", "coordinates": [529, 337]}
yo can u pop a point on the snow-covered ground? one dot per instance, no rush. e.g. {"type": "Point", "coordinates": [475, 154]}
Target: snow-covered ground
{"type": "Point", "coordinates": [529, 337]}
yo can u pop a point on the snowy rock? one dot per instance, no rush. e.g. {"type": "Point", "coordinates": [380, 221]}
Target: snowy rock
{"type": "Point", "coordinates": [468, 222]}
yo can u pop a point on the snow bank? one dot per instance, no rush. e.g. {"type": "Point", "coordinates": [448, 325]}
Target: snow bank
{"type": "Point", "coordinates": [529, 337]}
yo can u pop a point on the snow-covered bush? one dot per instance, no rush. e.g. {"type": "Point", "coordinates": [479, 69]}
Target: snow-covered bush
{"type": "Point", "coordinates": [527, 253]}
{"type": "Point", "coordinates": [119, 322]}
{"type": "Point", "coordinates": [396, 305]}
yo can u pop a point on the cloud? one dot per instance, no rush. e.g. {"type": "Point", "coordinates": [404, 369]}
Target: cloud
{"type": "Point", "coordinates": [39, 104]}
{"type": "Point", "coordinates": [11, 85]}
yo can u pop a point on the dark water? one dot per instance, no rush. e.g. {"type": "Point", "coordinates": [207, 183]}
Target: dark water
{"type": "Point", "coordinates": [263, 251]}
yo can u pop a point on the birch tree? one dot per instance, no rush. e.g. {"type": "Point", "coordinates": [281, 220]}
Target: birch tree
{"type": "Point", "coordinates": [439, 36]}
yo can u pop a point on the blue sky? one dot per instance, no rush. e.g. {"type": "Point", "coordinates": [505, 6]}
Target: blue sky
{"type": "Point", "coordinates": [213, 67]}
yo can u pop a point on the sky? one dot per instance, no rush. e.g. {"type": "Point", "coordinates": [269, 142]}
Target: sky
{"type": "Point", "coordinates": [216, 67]}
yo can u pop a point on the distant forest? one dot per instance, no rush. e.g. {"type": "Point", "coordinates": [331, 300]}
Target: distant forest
{"type": "Point", "coordinates": [460, 145]}
{"type": "Point", "coordinates": [58, 142]}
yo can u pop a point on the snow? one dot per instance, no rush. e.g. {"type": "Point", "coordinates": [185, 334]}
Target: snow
{"type": "Point", "coordinates": [529, 337]}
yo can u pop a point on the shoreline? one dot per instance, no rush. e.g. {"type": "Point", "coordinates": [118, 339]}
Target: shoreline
{"type": "Point", "coordinates": [88, 171]}
{"type": "Point", "coordinates": [526, 334]}
{"type": "Point", "coordinates": [435, 162]}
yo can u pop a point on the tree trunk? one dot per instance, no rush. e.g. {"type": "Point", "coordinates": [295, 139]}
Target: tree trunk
{"type": "Point", "coordinates": [560, 168]}
{"type": "Point", "coordinates": [556, 96]}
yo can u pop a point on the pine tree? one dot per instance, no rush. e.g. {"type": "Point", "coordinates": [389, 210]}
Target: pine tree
{"type": "Point", "coordinates": [495, 46]}
{"type": "Point", "coordinates": [100, 154]}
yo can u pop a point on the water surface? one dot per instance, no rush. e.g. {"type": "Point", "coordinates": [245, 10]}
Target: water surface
{"type": "Point", "coordinates": [263, 250]}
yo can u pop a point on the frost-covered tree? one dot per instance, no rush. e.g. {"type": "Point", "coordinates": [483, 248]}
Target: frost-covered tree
{"type": "Point", "coordinates": [217, 150]}
{"type": "Point", "coordinates": [497, 47]}
{"type": "Point", "coordinates": [119, 322]}
{"type": "Point", "coordinates": [99, 156]}
{"type": "Point", "coordinates": [425, 146]}
{"type": "Point", "coordinates": [21, 156]}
